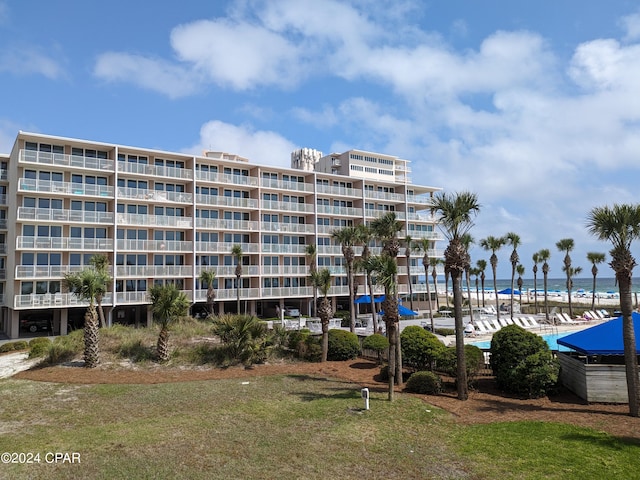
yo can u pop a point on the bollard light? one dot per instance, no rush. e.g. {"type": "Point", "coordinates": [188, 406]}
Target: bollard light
{"type": "Point", "coordinates": [365, 394]}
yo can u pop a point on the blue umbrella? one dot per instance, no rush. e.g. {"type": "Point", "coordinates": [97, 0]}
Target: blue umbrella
{"type": "Point", "coordinates": [367, 299]}
{"type": "Point", "coordinates": [405, 312]}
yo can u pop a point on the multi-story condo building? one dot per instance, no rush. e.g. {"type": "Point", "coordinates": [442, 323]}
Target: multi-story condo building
{"type": "Point", "coordinates": [165, 216]}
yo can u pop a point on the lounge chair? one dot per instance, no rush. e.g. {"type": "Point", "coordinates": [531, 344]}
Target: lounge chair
{"type": "Point", "coordinates": [491, 326]}
{"type": "Point", "coordinates": [481, 328]}
{"type": "Point", "coordinates": [534, 323]}
{"type": "Point", "coordinates": [520, 322]}
{"type": "Point", "coordinates": [503, 322]}
{"type": "Point", "coordinates": [565, 319]}
{"type": "Point", "coordinates": [509, 320]}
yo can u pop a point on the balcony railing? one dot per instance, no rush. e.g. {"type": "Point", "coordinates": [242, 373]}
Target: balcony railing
{"type": "Point", "coordinates": [66, 188]}
{"type": "Point", "coordinates": [280, 292]}
{"type": "Point", "coordinates": [423, 200]}
{"type": "Point", "coordinates": [287, 227]}
{"type": "Point", "coordinates": [280, 248]}
{"type": "Point", "coordinates": [155, 245]}
{"type": "Point", "coordinates": [287, 206]}
{"type": "Point", "coordinates": [223, 201]}
{"type": "Point", "coordinates": [46, 271]}
{"type": "Point", "coordinates": [154, 220]}
{"type": "Point", "coordinates": [342, 191]}
{"type": "Point", "coordinates": [225, 247]}
{"type": "Point", "coordinates": [224, 224]}
{"type": "Point", "coordinates": [226, 178]}
{"type": "Point", "coordinates": [63, 243]}
{"type": "Point", "coordinates": [394, 197]}
{"type": "Point", "coordinates": [58, 215]}
{"type": "Point", "coordinates": [155, 195]}
{"type": "Point", "coordinates": [54, 300]}
{"type": "Point", "coordinates": [331, 210]}
{"type": "Point", "coordinates": [282, 185]}
{"type": "Point", "coordinates": [47, 158]}
{"type": "Point", "coordinates": [152, 271]}
{"type": "Point", "coordinates": [279, 270]}
{"type": "Point", "coordinates": [154, 170]}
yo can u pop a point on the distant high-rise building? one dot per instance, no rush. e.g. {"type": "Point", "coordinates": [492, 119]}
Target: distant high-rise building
{"type": "Point", "coordinates": [305, 159]}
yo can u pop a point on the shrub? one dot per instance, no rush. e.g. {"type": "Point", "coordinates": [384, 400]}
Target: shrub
{"type": "Point", "coordinates": [447, 362]}
{"type": "Point", "coordinates": [377, 343]}
{"type": "Point", "coordinates": [424, 382]}
{"type": "Point", "coordinates": [136, 351]}
{"type": "Point", "coordinates": [445, 331]}
{"type": "Point", "coordinates": [343, 345]}
{"type": "Point", "coordinates": [38, 347]}
{"type": "Point", "coordinates": [14, 346]}
{"type": "Point", "coordinates": [522, 362]}
{"type": "Point", "coordinates": [384, 373]}
{"type": "Point", "coordinates": [243, 336]}
{"type": "Point", "coordinates": [419, 348]}
{"type": "Point", "coordinates": [65, 348]}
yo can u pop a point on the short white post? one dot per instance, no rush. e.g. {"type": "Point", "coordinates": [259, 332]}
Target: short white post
{"type": "Point", "coordinates": [365, 394]}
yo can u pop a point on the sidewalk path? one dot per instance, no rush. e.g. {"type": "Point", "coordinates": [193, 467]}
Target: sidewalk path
{"type": "Point", "coordinates": [12, 363]}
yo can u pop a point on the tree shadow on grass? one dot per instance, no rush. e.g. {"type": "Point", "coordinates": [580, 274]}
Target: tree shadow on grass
{"type": "Point", "coordinates": [598, 440]}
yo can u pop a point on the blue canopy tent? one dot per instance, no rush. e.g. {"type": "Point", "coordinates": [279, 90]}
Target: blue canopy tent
{"type": "Point", "coordinates": [603, 339]}
{"type": "Point", "coordinates": [404, 312]}
{"type": "Point", "coordinates": [367, 299]}
{"type": "Point", "coordinates": [507, 291]}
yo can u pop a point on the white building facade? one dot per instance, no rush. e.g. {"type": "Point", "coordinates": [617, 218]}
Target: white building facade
{"type": "Point", "coordinates": [164, 217]}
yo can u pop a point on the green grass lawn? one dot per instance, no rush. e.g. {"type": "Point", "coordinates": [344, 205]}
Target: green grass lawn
{"type": "Point", "coordinates": [282, 427]}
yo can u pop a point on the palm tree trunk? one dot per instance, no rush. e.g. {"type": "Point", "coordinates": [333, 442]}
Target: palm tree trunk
{"type": "Point", "coordinates": [373, 303]}
{"type": "Point", "coordinates": [163, 344]}
{"type": "Point", "coordinates": [435, 287]}
{"type": "Point", "coordinates": [569, 287]}
{"type": "Point", "coordinates": [513, 277]}
{"type": "Point", "coordinates": [482, 278]}
{"type": "Point", "coordinates": [629, 341]}
{"type": "Point", "coordinates": [91, 338]}
{"type": "Point", "coordinates": [546, 299]}
{"type": "Point", "coordinates": [593, 293]}
{"type": "Point", "coordinates": [535, 292]}
{"type": "Point", "coordinates": [238, 295]}
{"type": "Point", "coordinates": [469, 294]}
{"type": "Point", "coordinates": [103, 322]}
{"type": "Point", "coordinates": [495, 291]}
{"type": "Point", "coordinates": [426, 280]}
{"type": "Point", "coordinates": [461, 380]}
{"type": "Point", "coordinates": [352, 298]}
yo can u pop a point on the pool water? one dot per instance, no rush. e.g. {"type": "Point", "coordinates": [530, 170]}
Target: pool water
{"type": "Point", "coordinates": [551, 339]}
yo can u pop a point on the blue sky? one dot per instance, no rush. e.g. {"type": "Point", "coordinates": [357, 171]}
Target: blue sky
{"type": "Point", "coordinates": [535, 106]}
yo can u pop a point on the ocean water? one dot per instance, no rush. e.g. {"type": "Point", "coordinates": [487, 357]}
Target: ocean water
{"type": "Point", "coordinates": [603, 285]}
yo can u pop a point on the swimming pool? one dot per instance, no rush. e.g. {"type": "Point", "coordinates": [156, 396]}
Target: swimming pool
{"type": "Point", "coordinates": [550, 338]}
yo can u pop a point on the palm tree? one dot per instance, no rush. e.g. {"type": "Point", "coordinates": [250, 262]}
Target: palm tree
{"type": "Point", "coordinates": [620, 225]}
{"type": "Point", "coordinates": [536, 260]}
{"type": "Point", "coordinates": [475, 271]}
{"type": "Point", "coordinates": [386, 229]}
{"type": "Point", "coordinates": [545, 255]}
{"type": "Point", "coordinates": [347, 237]}
{"type": "Point", "coordinates": [365, 236]}
{"type": "Point", "coordinates": [424, 244]}
{"type": "Point", "coordinates": [387, 271]}
{"type": "Point", "coordinates": [566, 245]}
{"type": "Point", "coordinates": [434, 262]}
{"type": "Point", "coordinates": [168, 303]}
{"type": "Point", "coordinates": [466, 241]}
{"type": "Point", "coordinates": [311, 251]}
{"type": "Point", "coordinates": [236, 251]}
{"type": "Point", "coordinates": [520, 271]}
{"type": "Point", "coordinates": [101, 263]}
{"type": "Point", "coordinates": [595, 258]}
{"type": "Point", "coordinates": [482, 266]}
{"type": "Point", "coordinates": [408, 243]}
{"type": "Point", "coordinates": [322, 279]}
{"type": "Point", "coordinates": [513, 239]}
{"type": "Point", "coordinates": [89, 284]}
{"type": "Point", "coordinates": [493, 244]}
{"type": "Point", "coordinates": [456, 213]}
{"type": "Point", "coordinates": [207, 278]}
{"type": "Point", "coordinates": [571, 272]}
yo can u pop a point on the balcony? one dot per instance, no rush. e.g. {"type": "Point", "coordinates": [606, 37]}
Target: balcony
{"type": "Point", "coordinates": [154, 245]}
{"type": "Point", "coordinates": [224, 224]}
{"type": "Point", "coordinates": [341, 191]}
{"type": "Point", "coordinates": [64, 188]}
{"type": "Point", "coordinates": [280, 292]}
{"type": "Point", "coordinates": [53, 300]}
{"type": "Point", "coordinates": [47, 158]}
{"type": "Point", "coordinates": [155, 170]}
{"type": "Point", "coordinates": [223, 201]}
{"type": "Point", "coordinates": [136, 219]}
{"type": "Point", "coordinates": [230, 293]}
{"type": "Point", "coordinates": [63, 243]}
{"type": "Point", "coordinates": [280, 270]}
{"type": "Point", "coordinates": [45, 271]}
{"type": "Point", "coordinates": [226, 178]}
{"type": "Point", "coordinates": [225, 247]}
{"type": "Point", "coordinates": [422, 200]}
{"type": "Point", "coordinates": [287, 206]}
{"type": "Point", "coordinates": [155, 196]}
{"type": "Point", "coordinates": [230, 270]}
{"type": "Point", "coordinates": [282, 248]}
{"type": "Point", "coordinates": [57, 215]}
{"type": "Point", "coordinates": [287, 227]}
{"type": "Point", "coordinates": [332, 210]}
{"type": "Point", "coordinates": [154, 271]}
{"type": "Point", "coordinates": [393, 197]}
{"type": "Point", "coordinates": [287, 186]}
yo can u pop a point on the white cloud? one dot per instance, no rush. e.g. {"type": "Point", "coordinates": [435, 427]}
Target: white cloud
{"type": "Point", "coordinates": [28, 60]}
{"type": "Point", "coordinates": [259, 146]}
{"type": "Point", "coordinates": [631, 25]}
{"type": "Point", "coordinates": [158, 75]}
